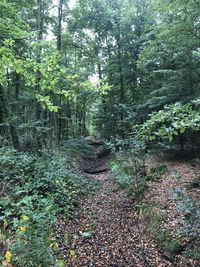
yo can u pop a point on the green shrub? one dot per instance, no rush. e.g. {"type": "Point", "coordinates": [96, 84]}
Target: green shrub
{"type": "Point", "coordinates": [37, 187]}
{"type": "Point", "coordinates": [27, 175]}
{"type": "Point", "coordinates": [191, 210]}
{"type": "Point", "coordinates": [121, 174]}
{"type": "Point", "coordinates": [156, 173]}
{"type": "Point", "coordinates": [32, 245]}
{"type": "Point", "coordinates": [172, 121]}
{"type": "Point", "coordinates": [193, 253]}
{"type": "Point", "coordinates": [169, 244]}
{"type": "Point", "coordinates": [129, 176]}
{"type": "Point", "coordinates": [151, 215]}
{"type": "Point", "coordinates": [153, 219]}
{"type": "Point", "coordinates": [190, 225]}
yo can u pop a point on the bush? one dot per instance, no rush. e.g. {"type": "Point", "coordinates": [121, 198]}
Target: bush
{"type": "Point", "coordinates": [129, 166]}
{"type": "Point", "coordinates": [172, 121]}
{"type": "Point", "coordinates": [28, 175]}
{"type": "Point", "coordinates": [151, 215]}
{"type": "Point", "coordinates": [129, 176]}
{"type": "Point", "coordinates": [169, 244]}
{"type": "Point", "coordinates": [156, 173]}
{"type": "Point", "coordinates": [191, 210]}
{"type": "Point", "coordinates": [132, 176]}
{"type": "Point", "coordinates": [34, 189]}
{"type": "Point", "coordinates": [32, 246]}
{"type": "Point", "coordinates": [190, 227]}
{"type": "Point", "coordinates": [153, 218]}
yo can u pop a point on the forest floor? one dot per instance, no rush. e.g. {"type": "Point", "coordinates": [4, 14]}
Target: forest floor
{"type": "Point", "coordinates": [108, 231]}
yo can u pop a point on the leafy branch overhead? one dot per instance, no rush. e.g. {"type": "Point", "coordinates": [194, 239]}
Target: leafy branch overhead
{"type": "Point", "coordinates": [174, 120]}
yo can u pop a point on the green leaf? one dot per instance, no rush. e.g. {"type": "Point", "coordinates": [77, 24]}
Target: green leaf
{"type": "Point", "coordinates": [152, 138]}
{"type": "Point", "coordinates": [72, 253]}
{"type": "Point", "coordinates": [61, 263]}
{"type": "Point", "coordinates": [182, 130]}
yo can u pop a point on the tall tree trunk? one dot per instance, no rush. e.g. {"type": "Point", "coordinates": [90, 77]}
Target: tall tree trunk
{"type": "Point", "coordinates": [40, 18]}
{"type": "Point", "coordinates": [38, 110]}
{"type": "Point", "coordinates": [59, 43]}
{"type": "Point", "coordinates": [5, 111]}
{"type": "Point", "coordinates": [17, 92]}
{"type": "Point", "coordinates": [59, 35]}
{"type": "Point", "coordinates": [121, 81]}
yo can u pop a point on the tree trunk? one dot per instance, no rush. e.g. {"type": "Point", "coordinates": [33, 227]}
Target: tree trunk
{"type": "Point", "coordinates": [121, 81]}
{"type": "Point", "coordinates": [40, 18]}
{"type": "Point", "coordinates": [59, 43]}
{"type": "Point", "coordinates": [6, 113]}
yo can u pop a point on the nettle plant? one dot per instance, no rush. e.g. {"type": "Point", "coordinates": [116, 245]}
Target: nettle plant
{"type": "Point", "coordinates": [172, 121]}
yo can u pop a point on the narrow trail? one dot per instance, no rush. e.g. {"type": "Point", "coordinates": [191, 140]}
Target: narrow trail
{"type": "Point", "coordinates": [107, 231]}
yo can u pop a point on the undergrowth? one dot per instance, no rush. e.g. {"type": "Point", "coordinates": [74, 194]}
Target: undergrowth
{"type": "Point", "coordinates": [34, 190]}
{"type": "Point", "coordinates": [153, 218]}
{"type": "Point", "coordinates": [134, 177]}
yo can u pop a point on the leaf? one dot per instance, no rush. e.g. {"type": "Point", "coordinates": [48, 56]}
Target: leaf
{"type": "Point", "coordinates": [61, 263]}
{"type": "Point", "coordinates": [175, 133]}
{"type": "Point", "coordinates": [182, 130]}
{"type": "Point", "coordinates": [55, 246]}
{"type": "Point", "coordinates": [152, 138]}
{"type": "Point", "coordinates": [72, 253]}
{"type": "Point", "coordinates": [25, 218]}
{"type": "Point", "coordinates": [5, 223]}
{"type": "Point", "coordinates": [8, 256]}
{"type": "Point", "coordinates": [23, 228]}
{"type": "Point", "coordinates": [160, 132]}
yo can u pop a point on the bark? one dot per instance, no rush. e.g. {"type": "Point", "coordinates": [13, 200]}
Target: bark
{"type": "Point", "coordinates": [5, 112]}
{"type": "Point", "coordinates": [40, 18]}
{"type": "Point", "coordinates": [59, 44]}
{"type": "Point", "coordinates": [103, 96]}
{"type": "Point", "coordinates": [121, 80]}
{"type": "Point", "coordinates": [59, 36]}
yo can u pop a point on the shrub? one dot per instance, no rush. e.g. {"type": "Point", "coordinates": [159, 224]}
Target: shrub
{"type": "Point", "coordinates": [190, 227]}
{"type": "Point", "coordinates": [129, 166]}
{"type": "Point", "coordinates": [156, 173]}
{"type": "Point", "coordinates": [32, 246]}
{"type": "Point", "coordinates": [34, 189]}
{"type": "Point", "coordinates": [151, 215]}
{"type": "Point", "coordinates": [168, 243]}
{"type": "Point", "coordinates": [172, 121]}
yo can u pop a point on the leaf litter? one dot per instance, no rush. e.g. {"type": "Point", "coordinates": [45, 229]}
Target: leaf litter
{"type": "Point", "coordinates": [109, 232]}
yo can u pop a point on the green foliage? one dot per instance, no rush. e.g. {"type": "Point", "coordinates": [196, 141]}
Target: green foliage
{"type": "Point", "coordinates": [32, 246]}
{"type": "Point", "coordinates": [172, 121]}
{"type": "Point", "coordinates": [168, 243]}
{"type": "Point", "coordinates": [169, 60]}
{"type": "Point", "coordinates": [122, 173]}
{"type": "Point", "coordinates": [151, 215]}
{"type": "Point", "coordinates": [34, 189]}
{"type": "Point", "coordinates": [30, 176]}
{"type": "Point", "coordinates": [129, 169]}
{"type": "Point", "coordinates": [156, 173]}
{"type": "Point", "coordinates": [193, 253]}
{"type": "Point", "coordinates": [129, 165]}
{"type": "Point", "coordinates": [191, 209]}
{"type": "Point", "coordinates": [153, 218]}
{"type": "Point", "coordinates": [190, 225]}
{"type": "Point", "coordinates": [130, 176]}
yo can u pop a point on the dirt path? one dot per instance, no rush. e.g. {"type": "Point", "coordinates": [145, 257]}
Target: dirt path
{"type": "Point", "coordinates": [107, 232]}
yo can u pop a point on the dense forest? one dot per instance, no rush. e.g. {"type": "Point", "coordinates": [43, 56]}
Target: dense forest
{"type": "Point", "coordinates": [99, 133]}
